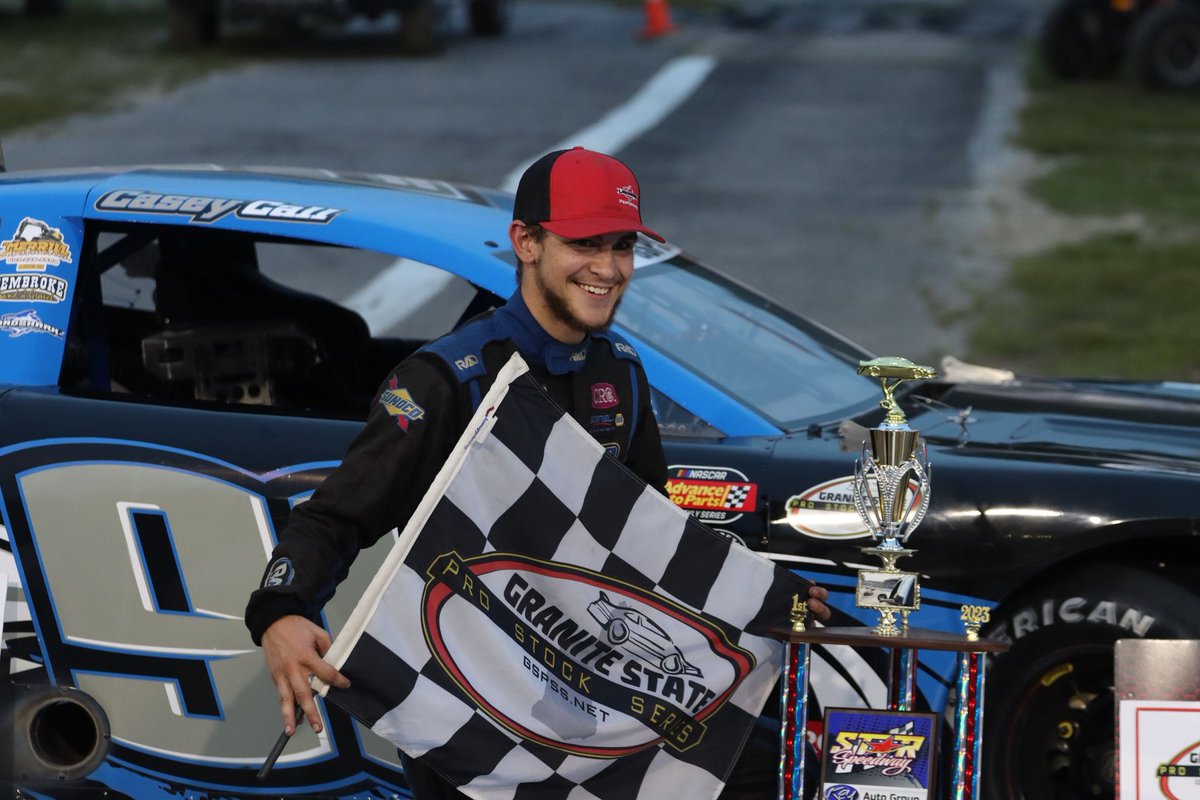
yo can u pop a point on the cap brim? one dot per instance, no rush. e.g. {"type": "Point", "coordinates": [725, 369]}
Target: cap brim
{"type": "Point", "coordinates": [595, 226]}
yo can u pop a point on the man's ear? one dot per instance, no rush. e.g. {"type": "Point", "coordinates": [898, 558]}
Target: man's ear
{"type": "Point", "coordinates": [524, 245]}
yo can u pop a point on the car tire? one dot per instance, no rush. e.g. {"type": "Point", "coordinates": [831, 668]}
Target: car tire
{"type": "Point", "coordinates": [193, 23]}
{"type": "Point", "coordinates": [423, 29]}
{"type": "Point", "coordinates": [1166, 47]}
{"type": "Point", "coordinates": [618, 631]}
{"type": "Point", "coordinates": [1048, 733]}
{"type": "Point", "coordinates": [1081, 40]}
{"type": "Point", "coordinates": [672, 664]}
{"type": "Point", "coordinates": [489, 17]}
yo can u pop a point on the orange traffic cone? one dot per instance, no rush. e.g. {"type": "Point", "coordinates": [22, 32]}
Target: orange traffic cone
{"type": "Point", "coordinates": [658, 20]}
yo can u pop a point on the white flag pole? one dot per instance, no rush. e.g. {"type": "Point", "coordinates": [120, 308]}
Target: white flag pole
{"type": "Point", "coordinates": [478, 427]}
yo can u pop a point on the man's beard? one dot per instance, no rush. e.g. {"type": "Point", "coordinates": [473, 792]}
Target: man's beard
{"type": "Point", "coordinates": [561, 309]}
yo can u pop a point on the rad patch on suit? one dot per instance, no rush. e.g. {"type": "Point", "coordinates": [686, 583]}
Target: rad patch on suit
{"type": "Point", "coordinates": [280, 573]}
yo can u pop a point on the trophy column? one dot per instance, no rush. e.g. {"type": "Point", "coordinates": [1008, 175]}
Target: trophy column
{"type": "Point", "coordinates": [963, 783]}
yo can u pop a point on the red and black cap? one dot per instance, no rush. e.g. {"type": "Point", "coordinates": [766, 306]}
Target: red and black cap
{"type": "Point", "coordinates": [578, 193]}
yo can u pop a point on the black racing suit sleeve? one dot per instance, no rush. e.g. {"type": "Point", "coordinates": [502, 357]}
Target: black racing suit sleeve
{"type": "Point", "coordinates": [646, 457]}
{"type": "Point", "coordinates": [386, 471]}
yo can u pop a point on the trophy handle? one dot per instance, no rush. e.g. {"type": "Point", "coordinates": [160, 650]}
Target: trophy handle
{"type": "Point", "coordinates": [924, 472]}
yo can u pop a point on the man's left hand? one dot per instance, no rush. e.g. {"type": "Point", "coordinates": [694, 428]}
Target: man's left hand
{"type": "Point", "coordinates": [817, 595]}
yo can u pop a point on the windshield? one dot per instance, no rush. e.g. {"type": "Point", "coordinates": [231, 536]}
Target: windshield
{"type": "Point", "coordinates": [784, 367]}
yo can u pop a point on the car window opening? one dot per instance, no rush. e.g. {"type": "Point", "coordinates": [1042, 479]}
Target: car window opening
{"type": "Point", "coordinates": [185, 315]}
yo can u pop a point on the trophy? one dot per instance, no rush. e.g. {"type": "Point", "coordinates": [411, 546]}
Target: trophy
{"type": "Point", "coordinates": [891, 495]}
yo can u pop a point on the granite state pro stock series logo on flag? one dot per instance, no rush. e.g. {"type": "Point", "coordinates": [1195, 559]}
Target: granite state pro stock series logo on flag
{"type": "Point", "coordinates": [598, 677]}
{"type": "Point", "coordinates": [549, 626]}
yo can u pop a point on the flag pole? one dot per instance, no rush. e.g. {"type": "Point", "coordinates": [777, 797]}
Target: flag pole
{"type": "Point", "coordinates": [277, 750]}
{"type": "Point", "coordinates": [273, 756]}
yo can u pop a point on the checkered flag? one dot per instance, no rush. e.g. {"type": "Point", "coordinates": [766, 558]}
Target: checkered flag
{"type": "Point", "coordinates": [548, 626]}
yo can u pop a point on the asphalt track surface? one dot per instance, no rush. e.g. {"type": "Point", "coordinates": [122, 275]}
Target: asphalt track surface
{"type": "Point", "coordinates": [833, 153]}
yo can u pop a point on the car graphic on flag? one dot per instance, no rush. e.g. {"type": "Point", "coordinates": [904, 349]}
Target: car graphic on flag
{"type": "Point", "coordinates": [640, 636]}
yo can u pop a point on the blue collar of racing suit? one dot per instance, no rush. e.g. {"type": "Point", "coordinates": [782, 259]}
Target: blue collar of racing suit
{"type": "Point", "coordinates": [515, 321]}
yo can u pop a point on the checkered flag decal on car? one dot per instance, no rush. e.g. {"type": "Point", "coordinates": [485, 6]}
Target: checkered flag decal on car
{"type": "Point", "coordinates": [737, 495]}
{"type": "Point", "coordinates": [547, 626]}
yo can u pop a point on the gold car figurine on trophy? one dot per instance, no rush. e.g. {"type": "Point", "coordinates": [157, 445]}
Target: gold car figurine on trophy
{"type": "Point", "coordinates": [891, 495]}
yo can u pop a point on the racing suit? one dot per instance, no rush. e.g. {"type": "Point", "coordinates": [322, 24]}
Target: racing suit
{"type": "Point", "coordinates": [420, 413]}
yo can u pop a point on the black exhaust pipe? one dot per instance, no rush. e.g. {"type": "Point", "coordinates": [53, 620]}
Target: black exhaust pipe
{"type": "Point", "coordinates": [56, 734]}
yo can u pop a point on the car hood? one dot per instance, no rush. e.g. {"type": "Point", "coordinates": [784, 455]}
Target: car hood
{"type": "Point", "coordinates": [1142, 425]}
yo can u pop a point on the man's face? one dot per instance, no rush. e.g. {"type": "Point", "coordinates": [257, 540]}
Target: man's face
{"type": "Point", "coordinates": [573, 286]}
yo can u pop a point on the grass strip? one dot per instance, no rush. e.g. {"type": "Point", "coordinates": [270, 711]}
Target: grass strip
{"type": "Point", "coordinates": [87, 58]}
{"type": "Point", "coordinates": [1114, 306]}
{"type": "Point", "coordinates": [1117, 305]}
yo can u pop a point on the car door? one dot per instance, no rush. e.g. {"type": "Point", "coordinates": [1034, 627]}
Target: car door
{"type": "Point", "coordinates": [142, 494]}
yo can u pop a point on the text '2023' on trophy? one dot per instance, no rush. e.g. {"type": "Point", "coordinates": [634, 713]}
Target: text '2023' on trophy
{"type": "Point", "coordinates": [891, 495]}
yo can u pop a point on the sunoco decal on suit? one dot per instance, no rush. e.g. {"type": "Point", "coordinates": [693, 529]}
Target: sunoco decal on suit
{"type": "Point", "coordinates": [575, 660]}
{"type": "Point", "coordinates": [211, 209]}
{"type": "Point", "coordinates": [34, 246]}
{"type": "Point", "coordinates": [714, 495]}
{"type": "Point", "coordinates": [400, 404]}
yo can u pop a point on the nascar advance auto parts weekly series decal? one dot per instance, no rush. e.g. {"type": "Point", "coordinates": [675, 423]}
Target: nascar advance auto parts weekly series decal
{"type": "Point", "coordinates": [713, 495]}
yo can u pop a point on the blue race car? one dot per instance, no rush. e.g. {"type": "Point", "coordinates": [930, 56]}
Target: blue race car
{"type": "Point", "coordinates": [186, 352]}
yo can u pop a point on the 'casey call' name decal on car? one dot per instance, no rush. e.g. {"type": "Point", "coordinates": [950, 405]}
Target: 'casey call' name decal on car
{"type": "Point", "coordinates": [211, 209]}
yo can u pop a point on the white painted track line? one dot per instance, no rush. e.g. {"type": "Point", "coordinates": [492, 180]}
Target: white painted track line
{"type": "Point", "coordinates": [395, 291]}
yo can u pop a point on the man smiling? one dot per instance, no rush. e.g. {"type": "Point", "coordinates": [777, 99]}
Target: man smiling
{"type": "Point", "coordinates": [575, 221]}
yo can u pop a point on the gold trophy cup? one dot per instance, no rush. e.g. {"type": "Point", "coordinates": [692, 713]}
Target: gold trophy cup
{"type": "Point", "coordinates": [891, 495]}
